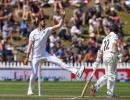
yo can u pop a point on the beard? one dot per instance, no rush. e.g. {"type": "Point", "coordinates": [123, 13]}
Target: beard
{"type": "Point", "coordinates": [43, 25]}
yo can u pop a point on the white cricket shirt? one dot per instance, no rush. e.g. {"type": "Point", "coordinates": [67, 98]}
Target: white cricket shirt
{"type": "Point", "coordinates": [108, 41]}
{"type": "Point", "coordinates": [39, 39]}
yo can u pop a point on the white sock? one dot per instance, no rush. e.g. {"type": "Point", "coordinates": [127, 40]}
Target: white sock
{"type": "Point", "coordinates": [65, 66]}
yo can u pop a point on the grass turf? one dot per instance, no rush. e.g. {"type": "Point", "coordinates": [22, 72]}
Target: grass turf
{"type": "Point", "coordinates": [57, 91]}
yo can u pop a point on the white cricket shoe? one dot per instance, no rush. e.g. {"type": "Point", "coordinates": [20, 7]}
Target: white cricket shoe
{"type": "Point", "coordinates": [80, 72]}
{"type": "Point", "coordinates": [30, 93]}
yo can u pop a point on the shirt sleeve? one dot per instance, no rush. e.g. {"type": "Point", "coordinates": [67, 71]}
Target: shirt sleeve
{"type": "Point", "coordinates": [102, 46]}
{"type": "Point", "coordinates": [31, 37]}
{"type": "Point", "coordinates": [49, 30]}
{"type": "Point", "coordinates": [115, 39]}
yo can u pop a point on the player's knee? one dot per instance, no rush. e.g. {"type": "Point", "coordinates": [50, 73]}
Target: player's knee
{"type": "Point", "coordinates": [112, 77]}
{"type": "Point", "coordinates": [34, 74]}
{"type": "Point", "coordinates": [105, 77]}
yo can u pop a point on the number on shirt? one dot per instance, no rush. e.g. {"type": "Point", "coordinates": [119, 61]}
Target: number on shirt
{"type": "Point", "coordinates": [106, 44]}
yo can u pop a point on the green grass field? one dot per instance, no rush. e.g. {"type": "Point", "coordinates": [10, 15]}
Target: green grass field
{"type": "Point", "coordinates": [58, 91]}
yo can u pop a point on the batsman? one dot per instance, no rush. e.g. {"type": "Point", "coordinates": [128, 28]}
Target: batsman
{"type": "Point", "coordinates": [109, 52]}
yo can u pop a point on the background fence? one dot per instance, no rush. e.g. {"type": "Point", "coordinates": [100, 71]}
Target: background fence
{"type": "Point", "coordinates": [52, 72]}
{"type": "Point", "coordinates": [20, 65]}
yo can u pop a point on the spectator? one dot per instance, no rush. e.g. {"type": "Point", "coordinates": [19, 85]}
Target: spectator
{"type": "Point", "coordinates": [80, 57]}
{"type": "Point", "coordinates": [51, 1]}
{"type": "Point", "coordinates": [94, 25]}
{"type": "Point", "coordinates": [5, 14]}
{"type": "Point", "coordinates": [80, 11]}
{"type": "Point", "coordinates": [77, 17]}
{"type": "Point", "coordinates": [57, 5]}
{"type": "Point", "coordinates": [40, 13]}
{"type": "Point", "coordinates": [2, 47]}
{"type": "Point", "coordinates": [92, 43]}
{"type": "Point", "coordinates": [90, 57]}
{"type": "Point", "coordinates": [64, 31]}
{"type": "Point", "coordinates": [113, 16]}
{"type": "Point", "coordinates": [24, 29]}
{"type": "Point", "coordinates": [60, 52]}
{"type": "Point", "coordinates": [27, 15]}
{"type": "Point", "coordinates": [34, 5]}
{"type": "Point", "coordinates": [56, 17]}
{"type": "Point", "coordinates": [67, 55]}
{"type": "Point", "coordinates": [53, 39]}
{"type": "Point", "coordinates": [53, 51]}
{"type": "Point", "coordinates": [76, 30]}
{"type": "Point", "coordinates": [126, 55]}
{"type": "Point", "coordinates": [75, 3]}
{"type": "Point", "coordinates": [117, 4]}
{"type": "Point", "coordinates": [106, 24]}
{"type": "Point", "coordinates": [7, 31]}
{"type": "Point", "coordinates": [6, 51]}
{"type": "Point", "coordinates": [127, 5]}
{"type": "Point", "coordinates": [98, 8]}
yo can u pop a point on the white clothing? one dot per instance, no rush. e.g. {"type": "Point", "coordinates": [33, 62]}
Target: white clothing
{"type": "Point", "coordinates": [50, 1]}
{"type": "Point", "coordinates": [57, 18]}
{"type": "Point", "coordinates": [92, 25]}
{"type": "Point", "coordinates": [39, 39]}
{"type": "Point", "coordinates": [39, 52]}
{"type": "Point", "coordinates": [76, 1]}
{"type": "Point", "coordinates": [110, 63]}
{"type": "Point", "coordinates": [53, 39]}
{"type": "Point", "coordinates": [127, 2]}
{"type": "Point", "coordinates": [74, 30]}
{"type": "Point", "coordinates": [108, 41]}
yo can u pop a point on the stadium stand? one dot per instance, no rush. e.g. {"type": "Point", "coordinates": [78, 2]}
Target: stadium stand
{"type": "Point", "coordinates": [86, 25]}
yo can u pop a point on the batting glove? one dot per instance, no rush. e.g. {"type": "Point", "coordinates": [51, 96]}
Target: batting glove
{"type": "Point", "coordinates": [95, 65]}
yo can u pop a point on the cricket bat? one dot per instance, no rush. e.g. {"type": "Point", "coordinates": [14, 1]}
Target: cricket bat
{"type": "Point", "coordinates": [87, 84]}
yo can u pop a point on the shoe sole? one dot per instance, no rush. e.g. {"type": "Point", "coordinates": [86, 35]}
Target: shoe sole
{"type": "Point", "coordinates": [30, 94]}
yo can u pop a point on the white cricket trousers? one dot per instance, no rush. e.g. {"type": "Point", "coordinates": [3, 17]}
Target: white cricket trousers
{"type": "Point", "coordinates": [110, 64]}
{"type": "Point", "coordinates": [49, 58]}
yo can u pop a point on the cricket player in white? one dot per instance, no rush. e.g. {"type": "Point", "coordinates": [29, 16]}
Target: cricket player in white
{"type": "Point", "coordinates": [37, 48]}
{"type": "Point", "coordinates": [108, 53]}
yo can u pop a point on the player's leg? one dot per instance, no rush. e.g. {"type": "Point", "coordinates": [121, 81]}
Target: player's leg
{"type": "Point", "coordinates": [102, 80]}
{"type": "Point", "coordinates": [55, 60]}
{"type": "Point", "coordinates": [111, 78]}
{"type": "Point", "coordinates": [100, 83]}
{"type": "Point", "coordinates": [111, 85]}
{"type": "Point", "coordinates": [34, 64]}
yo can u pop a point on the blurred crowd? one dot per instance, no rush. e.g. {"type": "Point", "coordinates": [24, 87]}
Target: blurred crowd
{"type": "Point", "coordinates": [83, 30]}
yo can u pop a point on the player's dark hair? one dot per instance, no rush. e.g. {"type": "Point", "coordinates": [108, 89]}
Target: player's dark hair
{"type": "Point", "coordinates": [38, 19]}
{"type": "Point", "coordinates": [114, 27]}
